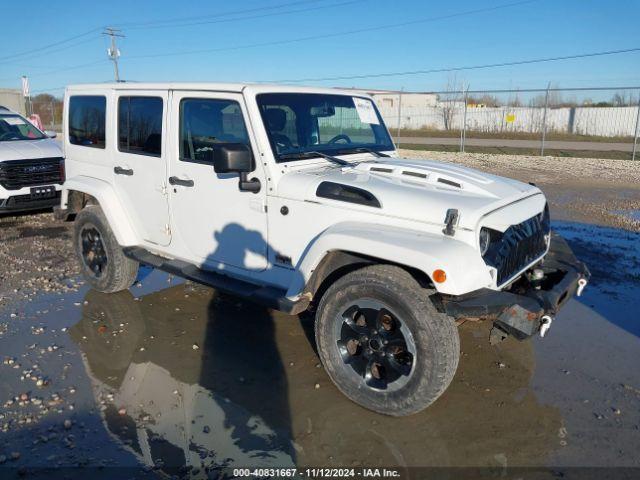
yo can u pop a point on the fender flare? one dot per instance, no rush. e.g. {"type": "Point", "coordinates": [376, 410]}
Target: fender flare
{"type": "Point", "coordinates": [113, 209]}
{"type": "Point", "coordinates": [411, 249]}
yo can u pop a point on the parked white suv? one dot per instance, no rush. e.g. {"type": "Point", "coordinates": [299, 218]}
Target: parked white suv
{"type": "Point", "coordinates": [31, 165]}
{"type": "Point", "coordinates": [295, 198]}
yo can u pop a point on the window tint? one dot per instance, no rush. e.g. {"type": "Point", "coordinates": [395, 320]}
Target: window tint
{"type": "Point", "coordinates": [140, 125]}
{"type": "Point", "coordinates": [205, 123]}
{"type": "Point", "coordinates": [87, 120]}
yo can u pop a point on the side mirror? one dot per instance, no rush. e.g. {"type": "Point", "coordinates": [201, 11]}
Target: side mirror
{"type": "Point", "coordinates": [233, 158]}
{"type": "Point", "coordinates": [50, 133]}
{"type": "Point", "coordinates": [237, 158]}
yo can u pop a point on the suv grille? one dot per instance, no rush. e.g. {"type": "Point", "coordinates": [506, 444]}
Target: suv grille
{"type": "Point", "coordinates": [518, 246]}
{"type": "Point", "coordinates": [16, 174]}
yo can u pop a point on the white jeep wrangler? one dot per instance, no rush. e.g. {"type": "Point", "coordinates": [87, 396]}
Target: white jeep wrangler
{"type": "Point", "coordinates": [295, 198]}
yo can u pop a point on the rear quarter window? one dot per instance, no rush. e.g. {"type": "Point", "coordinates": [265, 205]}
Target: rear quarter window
{"type": "Point", "coordinates": [87, 119]}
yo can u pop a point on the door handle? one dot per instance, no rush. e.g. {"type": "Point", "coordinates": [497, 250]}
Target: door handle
{"type": "Point", "coordinates": [122, 171]}
{"type": "Point", "coordinates": [181, 182]}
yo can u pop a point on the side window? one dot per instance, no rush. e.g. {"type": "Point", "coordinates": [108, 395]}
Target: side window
{"type": "Point", "coordinates": [87, 120]}
{"type": "Point", "coordinates": [140, 125]}
{"type": "Point", "coordinates": [208, 122]}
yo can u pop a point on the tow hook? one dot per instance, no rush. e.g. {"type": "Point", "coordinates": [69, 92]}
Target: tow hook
{"type": "Point", "coordinates": [545, 325]}
{"type": "Point", "coordinates": [581, 284]}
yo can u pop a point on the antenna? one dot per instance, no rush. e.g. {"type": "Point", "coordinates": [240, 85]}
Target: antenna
{"type": "Point", "coordinates": [113, 51]}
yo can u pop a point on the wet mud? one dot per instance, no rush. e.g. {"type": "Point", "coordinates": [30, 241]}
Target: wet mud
{"type": "Point", "coordinates": [173, 378]}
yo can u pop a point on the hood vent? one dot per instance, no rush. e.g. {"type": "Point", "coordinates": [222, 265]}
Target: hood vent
{"type": "Point", "coordinates": [449, 182]}
{"type": "Point", "coordinates": [381, 170]}
{"type": "Point", "coordinates": [414, 174]}
{"type": "Point", "coordinates": [347, 193]}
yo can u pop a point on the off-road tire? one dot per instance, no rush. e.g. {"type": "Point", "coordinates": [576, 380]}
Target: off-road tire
{"type": "Point", "coordinates": [119, 272]}
{"type": "Point", "coordinates": [434, 335]}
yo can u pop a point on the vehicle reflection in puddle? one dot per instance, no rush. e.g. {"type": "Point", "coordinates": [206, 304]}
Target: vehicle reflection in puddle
{"type": "Point", "coordinates": [188, 377]}
{"type": "Point", "coordinates": [177, 396]}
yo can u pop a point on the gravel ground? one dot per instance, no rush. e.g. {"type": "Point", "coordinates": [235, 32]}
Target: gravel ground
{"type": "Point", "coordinates": [548, 169]}
{"type": "Point", "coordinates": [597, 191]}
{"type": "Point", "coordinates": [36, 256]}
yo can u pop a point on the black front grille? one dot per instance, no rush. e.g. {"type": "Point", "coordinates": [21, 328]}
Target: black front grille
{"type": "Point", "coordinates": [16, 174]}
{"type": "Point", "coordinates": [518, 246]}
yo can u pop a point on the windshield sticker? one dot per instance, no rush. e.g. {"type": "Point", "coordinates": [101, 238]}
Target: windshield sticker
{"type": "Point", "coordinates": [365, 110]}
{"type": "Point", "coordinates": [14, 120]}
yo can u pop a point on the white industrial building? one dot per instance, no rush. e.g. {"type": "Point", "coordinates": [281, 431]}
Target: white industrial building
{"type": "Point", "coordinates": [13, 100]}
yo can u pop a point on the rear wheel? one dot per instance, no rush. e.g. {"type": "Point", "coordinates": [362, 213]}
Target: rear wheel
{"type": "Point", "coordinates": [102, 261]}
{"type": "Point", "coordinates": [383, 342]}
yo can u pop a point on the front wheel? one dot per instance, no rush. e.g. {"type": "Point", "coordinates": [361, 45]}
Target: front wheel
{"type": "Point", "coordinates": [102, 261]}
{"type": "Point", "coordinates": [383, 342]}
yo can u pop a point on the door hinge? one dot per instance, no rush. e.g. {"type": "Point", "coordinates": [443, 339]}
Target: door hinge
{"type": "Point", "coordinates": [167, 230]}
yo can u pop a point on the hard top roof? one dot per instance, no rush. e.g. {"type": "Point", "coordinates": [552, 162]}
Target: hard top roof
{"type": "Point", "coordinates": [210, 86]}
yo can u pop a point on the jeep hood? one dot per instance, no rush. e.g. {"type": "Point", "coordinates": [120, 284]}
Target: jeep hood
{"type": "Point", "coordinates": [420, 190]}
{"type": "Point", "coordinates": [29, 149]}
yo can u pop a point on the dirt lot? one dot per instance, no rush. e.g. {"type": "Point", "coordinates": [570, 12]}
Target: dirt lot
{"type": "Point", "coordinates": [171, 378]}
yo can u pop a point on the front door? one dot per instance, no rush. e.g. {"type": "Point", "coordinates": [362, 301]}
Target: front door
{"type": "Point", "coordinates": [140, 166]}
{"type": "Point", "coordinates": [218, 225]}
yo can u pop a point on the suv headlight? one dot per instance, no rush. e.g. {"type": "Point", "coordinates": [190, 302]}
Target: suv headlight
{"type": "Point", "coordinates": [484, 240]}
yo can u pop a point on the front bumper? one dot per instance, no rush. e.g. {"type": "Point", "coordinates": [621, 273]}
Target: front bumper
{"type": "Point", "coordinates": [22, 203]}
{"type": "Point", "coordinates": [527, 305]}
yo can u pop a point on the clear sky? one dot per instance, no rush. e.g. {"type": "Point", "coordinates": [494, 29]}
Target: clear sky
{"type": "Point", "coordinates": [310, 39]}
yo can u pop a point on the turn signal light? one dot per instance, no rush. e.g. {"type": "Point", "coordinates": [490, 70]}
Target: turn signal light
{"type": "Point", "coordinates": [439, 276]}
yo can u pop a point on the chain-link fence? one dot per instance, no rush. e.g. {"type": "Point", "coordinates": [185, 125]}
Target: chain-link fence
{"type": "Point", "coordinates": [591, 122]}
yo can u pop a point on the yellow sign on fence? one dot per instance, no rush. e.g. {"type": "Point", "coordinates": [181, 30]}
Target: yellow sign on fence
{"type": "Point", "coordinates": [511, 117]}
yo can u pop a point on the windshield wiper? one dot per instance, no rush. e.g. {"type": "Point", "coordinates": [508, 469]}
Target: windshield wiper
{"type": "Point", "coordinates": [363, 149]}
{"type": "Point", "coordinates": [301, 155]}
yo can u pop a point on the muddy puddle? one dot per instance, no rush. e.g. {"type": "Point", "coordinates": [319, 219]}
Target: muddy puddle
{"type": "Point", "coordinates": [172, 378]}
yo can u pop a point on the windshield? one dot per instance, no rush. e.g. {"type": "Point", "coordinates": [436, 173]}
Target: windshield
{"type": "Point", "coordinates": [300, 125]}
{"type": "Point", "coordinates": [14, 127]}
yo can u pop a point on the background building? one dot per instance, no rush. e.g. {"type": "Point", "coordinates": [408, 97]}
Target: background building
{"type": "Point", "coordinates": [13, 99]}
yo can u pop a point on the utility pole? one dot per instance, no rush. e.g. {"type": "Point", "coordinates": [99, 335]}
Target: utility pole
{"type": "Point", "coordinates": [463, 131]}
{"type": "Point", "coordinates": [113, 52]}
{"type": "Point", "coordinates": [544, 119]}
{"type": "Point", "coordinates": [399, 117]}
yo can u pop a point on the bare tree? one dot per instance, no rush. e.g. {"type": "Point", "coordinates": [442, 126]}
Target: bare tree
{"type": "Point", "coordinates": [450, 102]}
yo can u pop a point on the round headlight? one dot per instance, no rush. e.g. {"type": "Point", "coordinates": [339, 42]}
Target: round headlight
{"type": "Point", "coordinates": [485, 240]}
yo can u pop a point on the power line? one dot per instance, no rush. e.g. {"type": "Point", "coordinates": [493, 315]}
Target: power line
{"type": "Point", "coordinates": [39, 50]}
{"type": "Point", "coordinates": [46, 53]}
{"type": "Point", "coordinates": [153, 23]}
{"type": "Point", "coordinates": [45, 47]}
{"type": "Point", "coordinates": [52, 89]}
{"type": "Point", "coordinates": [339, 34]}
{"type": "Point", "coordinates": [457, 69]}
{"type": "Point", "coordinates": [58, 70]}
{"type": "Point", "coordinates": [250, 17]}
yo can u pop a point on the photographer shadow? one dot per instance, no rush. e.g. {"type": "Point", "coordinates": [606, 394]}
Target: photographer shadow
{"type": "Point", "coordinates": [241, 355]}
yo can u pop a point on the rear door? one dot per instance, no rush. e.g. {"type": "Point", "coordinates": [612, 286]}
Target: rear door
{"type": "Point", "coordinates": [140, 163]}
